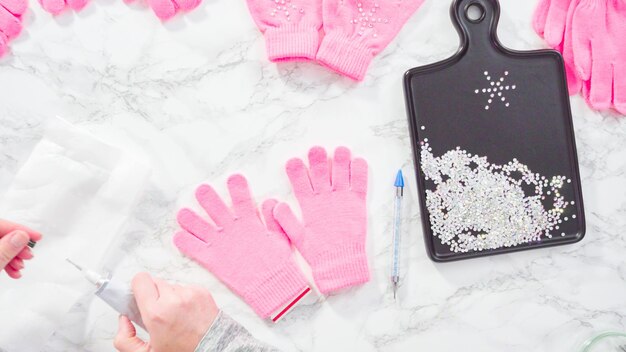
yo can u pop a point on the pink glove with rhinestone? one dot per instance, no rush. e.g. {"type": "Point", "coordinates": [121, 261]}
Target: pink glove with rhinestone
{"type": "Point", "coordinates": [10, 21]}
{"type": "Point", "coordinates": [166, 9]}
{"type": "Point", "coordinates": [331, 235]}
{"type": "Point", "coordinates": [291, 27]}
{"type": "Point", "coordinates": [552, 21]}
{"type": "Point", "coordinates": [55, 7]}
{"type": "Point", "coordinates": [254, 259]}
{"type": "Point", "coordinates": [358, 30]}
{"type": "Point", "coordinates": [598, 32]}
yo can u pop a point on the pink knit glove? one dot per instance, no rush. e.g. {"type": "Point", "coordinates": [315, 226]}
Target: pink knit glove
{"type": "Point", "coordinates": [55, 7]}
{"type": "Point", "coordinates": [166, 9]}
{"type": "Point", "coordinates": [598, 32]}
{"type": "Point", "coordinates": [10, 21]}
{"type": "Point", "coordinates": [252, 258]}
{"type": "Point", "coordinates": [291, 27]}
{"type": "Point", "coordinates": [331, 236]}
{"type": "Point", "coordinates": [357, 30]}
{"type": "Point", "coordinates": [552, 21]}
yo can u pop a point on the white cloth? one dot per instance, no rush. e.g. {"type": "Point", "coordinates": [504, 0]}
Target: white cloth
{"type": "Point", "coordinates": [78, 192]}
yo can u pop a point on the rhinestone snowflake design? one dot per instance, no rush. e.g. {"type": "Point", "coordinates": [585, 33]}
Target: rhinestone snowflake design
{"type": "Point", "coordinates": [496, 89]}
{"type": "Point", "coordinates": [284, 7]}
{"type": "Point", "coordinates": [477, 205]}
{"type": "Point", "coordinates": [367, 20]}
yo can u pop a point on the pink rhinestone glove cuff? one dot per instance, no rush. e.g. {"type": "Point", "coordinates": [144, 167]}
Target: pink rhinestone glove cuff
{"type": "Point", "coordinates": [340, 268]}
{"type": "Point", "coordinates": [344, 55]}
{"type": "Point", "coordinates": [289, 43]}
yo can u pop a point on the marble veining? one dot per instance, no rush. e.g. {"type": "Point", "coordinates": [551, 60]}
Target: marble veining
{"type": "Point", "coordinates": [198, 100]}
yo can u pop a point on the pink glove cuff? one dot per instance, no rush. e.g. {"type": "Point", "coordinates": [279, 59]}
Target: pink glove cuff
{"type": "Point", "coordinates": [276, 289]}
{"type": "Point", "coordinates": [290, 43]}
{"type": "Point", "coordinates": [345, 55]}
{"type": "Point", "coordinates": [339, 268]}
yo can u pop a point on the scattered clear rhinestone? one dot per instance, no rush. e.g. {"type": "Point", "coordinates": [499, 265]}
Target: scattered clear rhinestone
{"type": "Point", "coordinates": [369, 17]}
{"type": "Point", "coordinates": [283, 6]}
{"type": "Point", "coordinates": [478, 206]}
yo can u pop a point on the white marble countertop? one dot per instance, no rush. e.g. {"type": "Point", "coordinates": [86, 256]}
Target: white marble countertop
{"type": "Point", "coordinates": [197, 97]}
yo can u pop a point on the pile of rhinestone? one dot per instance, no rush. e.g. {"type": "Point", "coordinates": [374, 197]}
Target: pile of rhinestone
{"type": "Point", "coordinates": [477, 205]}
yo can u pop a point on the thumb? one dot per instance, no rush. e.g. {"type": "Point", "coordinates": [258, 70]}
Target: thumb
{"type": "Point", "coordinates": [11, 245]}
{"type": "Point", "coordinates": [288, 221]}
{"type": "Point", "coordinates": [126, 339]}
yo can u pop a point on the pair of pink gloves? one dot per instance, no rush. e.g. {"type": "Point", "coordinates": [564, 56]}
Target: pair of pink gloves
{"type": "Point", "coordinates": [252, 255]}
{"type": "Point", "coordinates": [11, 12]}
{"type": "Point", "coordinates": [354, 31]}
{"type": "Point", "coordinates": [591, 34]}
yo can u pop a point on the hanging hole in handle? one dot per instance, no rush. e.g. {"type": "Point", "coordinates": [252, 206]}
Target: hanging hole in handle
{"type": "Point", "coordinates": [475, 12]}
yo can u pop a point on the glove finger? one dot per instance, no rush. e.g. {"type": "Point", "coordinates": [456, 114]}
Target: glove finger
{"type": "Point", "coordinates": [581, 43]}
{"type": "Point", "coordinates": [54, 7]}
{"type": "Point", "coordinates": [555, 23]}
{"type": "Point", "coordinates": [194, 248]}
{"type": "Point", "coordinates": [574, 83]}
{"type": "Point", "coordinates": [290, 224]}
{"type": "Point", "coordinates": [213, 205]}
{"type": "Point", "coordinates": [16, 7]}
{"type": "Point", "coordinates": [267, 208]}
{"type": "Point", "coordinates": [341, 169]}
{"type": "Point", "coordinates": [540, 16]}
{"type": "Point", "coordinates": [163, 9]}
{"type": "Point", "coordinates": [77, 5]}
{"type": "Point", "coordinates": [299, 178]}
{"type": "Point", "coordinates": [358, 176]}
{"type": "Point", "coordinates": [240, 194]}
{"type": "Point", "coordinates": [187, 5]}
{"type": "Point", "coordinates": [586, 88]}
{"type": "Point", "coordinates": [619, 87]}
{"type": "Point", "coordinates": [194, 224]}
{"type": "Point", "coordinates": [320, 175]}
{"type": "Point", "coordinates": [9, 24]}
{"type": "Point", "coordinates": [601, 84]}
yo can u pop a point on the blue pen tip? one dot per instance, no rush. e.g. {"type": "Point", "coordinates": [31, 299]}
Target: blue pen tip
{"type": "Point", "coordinates": [399, 179]}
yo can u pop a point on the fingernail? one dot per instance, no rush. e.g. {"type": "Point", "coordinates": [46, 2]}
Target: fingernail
{"type": "Point", "coordinates": [19, 239]}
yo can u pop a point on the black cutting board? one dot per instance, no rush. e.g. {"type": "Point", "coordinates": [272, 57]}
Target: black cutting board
{"type": "Point", "coordinates": [502, 105]}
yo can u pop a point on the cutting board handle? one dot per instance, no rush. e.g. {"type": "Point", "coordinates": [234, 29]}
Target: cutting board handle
{"type": "Point", "coordinates": [479, 33]}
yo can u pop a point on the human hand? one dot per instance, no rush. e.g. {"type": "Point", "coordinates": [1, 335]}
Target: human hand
{"type": "Point", "coordinates": [176, 317]}
{"type": "Point", "coordinates": [13, 247]}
